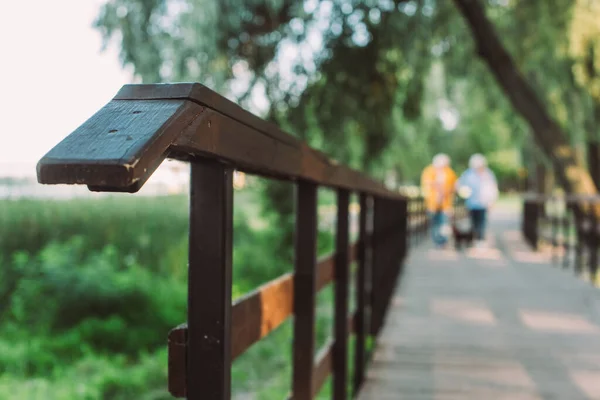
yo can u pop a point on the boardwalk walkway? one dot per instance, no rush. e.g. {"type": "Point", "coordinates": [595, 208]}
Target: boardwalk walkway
{"type": "Point", "coordinates": [499, 324]}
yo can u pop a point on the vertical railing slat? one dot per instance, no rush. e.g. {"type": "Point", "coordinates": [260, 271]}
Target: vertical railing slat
{"type": "Point", "coordinates": [360, 328]}
{"type": "Point", "coordinates": [304, 290]}
{"type": "Point", "coordinates": [593, 242]}
{"type": "Point", "coordinates": [209, 281]}
{"type": "Point", "coordinates": [340, 349]}
{"type": "Point", "coordinates": [377, 265]}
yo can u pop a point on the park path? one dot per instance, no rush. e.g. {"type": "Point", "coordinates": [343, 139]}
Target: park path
{"type": "Point", "coordinates": [499, 323]}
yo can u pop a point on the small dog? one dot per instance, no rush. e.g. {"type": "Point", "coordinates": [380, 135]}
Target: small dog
{"type": "Point", "coordinates": [463, 234]}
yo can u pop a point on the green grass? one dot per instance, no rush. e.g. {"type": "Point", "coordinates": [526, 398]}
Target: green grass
{"type": "Point", "coordinates": [91, 287]}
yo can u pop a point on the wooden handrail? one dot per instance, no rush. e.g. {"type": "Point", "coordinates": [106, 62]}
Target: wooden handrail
{"type": "Point", "coordinates": [120, 146]}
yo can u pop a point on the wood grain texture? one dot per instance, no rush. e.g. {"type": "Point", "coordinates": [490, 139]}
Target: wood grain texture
{"type": "Point", "coordinates": [342, 273]}
{"type": "Point", "coordinates": [177, 348]}
{"type": "Point", "coordinates": [361, 297]}
{"type": "Point", "coordinates": [253, 317]}
{"type": "Point", "coordinates": [119, 147]}
{"type": "Point", "coordinates": [208, 356]}
{"type": "Point", "coordinates": [258, 313]}
{"type": "Point", "coordinates": [305, 290]}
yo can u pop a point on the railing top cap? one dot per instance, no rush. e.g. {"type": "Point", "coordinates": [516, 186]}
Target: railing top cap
{"type": "Point", "coordinates": [120, 146]}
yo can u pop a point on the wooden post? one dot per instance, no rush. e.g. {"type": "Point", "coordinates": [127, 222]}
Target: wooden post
{"type": "Point", "coordinates": [566, 235]}
{"type": "Point", "coordinates": [593, 242]}
{"type": "Point", "coordinates": [304, 290]}
{"type": "Point", "coordinates": [209, 281]}
{"type": "Point", "coordinates": [340, 349]}
{"type": "Point", "coordinates": [361, 296]}
{"type": "Point", "coordinates": [554, 224]}
{"type": "Point", "coordinates": [403, 226]}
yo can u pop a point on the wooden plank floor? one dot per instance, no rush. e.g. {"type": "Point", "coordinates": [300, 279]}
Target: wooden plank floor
{"type": "Point", "coordinates": [497, 324]}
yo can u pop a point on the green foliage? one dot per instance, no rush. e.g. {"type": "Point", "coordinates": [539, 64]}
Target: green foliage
{"type": "Point", "coordinates": [144, 228]}
{"type": "Point", "coordinates": [89, 305]}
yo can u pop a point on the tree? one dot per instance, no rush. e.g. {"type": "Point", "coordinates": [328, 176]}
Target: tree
{"type": "Point", "coordinates": [573, 176]}
{"type": "Point", "coordinates": [368, 81]}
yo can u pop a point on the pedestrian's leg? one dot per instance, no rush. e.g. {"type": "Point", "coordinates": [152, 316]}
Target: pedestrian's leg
{"type": "Point", "coordinates": [435, 227]}
{"type": "Point", "coordinates": [473, 218]}
{"type": "Point", "coordinates": [478, 224]}
{"type": "Point", "coordinates": [483, 223]}
{"type": "Point", "coordinates": [444, 225]}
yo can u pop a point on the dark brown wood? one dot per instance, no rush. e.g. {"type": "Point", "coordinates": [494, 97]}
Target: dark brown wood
{"type": "Point", "coordinates": [388, 252]}
{"type": "Point", "coordinates": [380, 263]}
{"type": "Point", "coordinates": [119, 147]}
{"type": "Point", "coordinates": [177, 346]}
{"type": "Point", "coordinates": [402, 226]}
{"type": "Point", "coordinates": [566, 236]}
{"type": "Point", "coordinates": [361, 305]}
{"type": "Point", "coordinates": [593, 242]}
{"type": "Point", "coordinates": [209, 282]}
{"type": "Point", "coordinates": [322, 368]}
{"type": "Point", "coordinates": [253, 317]}
{"type": "Point", "coordinates": [204, 96]}
{"type": "Point", "coordinates": [340, 355]}
{"type": "Point", "coordinates": [219, 136]}
{"type": "Point", "coordinates": [305, 289]}
{"type": "Point", "coordinates": [351, 323]}
{"type": "Point", "coordinates": [554, 222]}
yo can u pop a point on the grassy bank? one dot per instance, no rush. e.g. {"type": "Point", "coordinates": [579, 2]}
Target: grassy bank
{"type": "Point", "coordinates": [91, 287]}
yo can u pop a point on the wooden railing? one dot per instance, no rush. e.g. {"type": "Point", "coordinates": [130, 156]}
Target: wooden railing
{"type": "Point", "coordinates": [118, 149]}
{"type": "Point", "coordinates": [567, 226]}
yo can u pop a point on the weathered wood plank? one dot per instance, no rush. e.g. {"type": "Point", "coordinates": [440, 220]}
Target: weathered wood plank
{"type": "Point", "coordinates": [305, 290]}
{"type": "Point", "coordinates": [260, 312]}
{"type": "Point", "coordinates": [342, 272]}
{"type": "Point", "coordinates": [496, 323]}
{"type": "Point", "coordinates": [361, 297]}
{"type": "Point", "coordinates": [119, 147]}
{"type": "Point", "coordinates": [253, 317]}
{"type": "Point", "coordinates": [177, 346]}
{"type": "Point", "coordinates": [208, 355]}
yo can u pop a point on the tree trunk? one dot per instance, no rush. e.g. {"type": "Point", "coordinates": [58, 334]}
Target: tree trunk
{"type": "Point", "coordinates": [570, 172]}
{"type": "Point", "coordinates": [594, 161]}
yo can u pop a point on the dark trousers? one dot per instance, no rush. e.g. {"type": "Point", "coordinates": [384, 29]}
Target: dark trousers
{"type": "Point", "coordinates": [478, 222]}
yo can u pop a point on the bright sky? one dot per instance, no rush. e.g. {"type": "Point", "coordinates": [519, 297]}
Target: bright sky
{"type": "Point", "coordinates": [54, 76]}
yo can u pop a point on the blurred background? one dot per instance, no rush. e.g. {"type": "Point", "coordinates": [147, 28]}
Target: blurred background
{"type": "Point", "coordinates": [90, 284]}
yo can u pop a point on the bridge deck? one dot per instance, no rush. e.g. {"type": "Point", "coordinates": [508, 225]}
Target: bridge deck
{"type": "Point", "coordinates": [496, 324]}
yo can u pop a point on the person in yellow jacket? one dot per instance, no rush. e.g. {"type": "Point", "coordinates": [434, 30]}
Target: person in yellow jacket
{"type": "Point", "coordinates": [438, 183]}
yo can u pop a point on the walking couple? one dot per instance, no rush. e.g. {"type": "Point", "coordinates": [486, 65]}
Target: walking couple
{"type": "Point", "coordinates": [439, 184]}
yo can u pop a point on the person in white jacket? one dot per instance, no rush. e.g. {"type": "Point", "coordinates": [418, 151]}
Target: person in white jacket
{"type": "Point", "coordinates": [482, 187]}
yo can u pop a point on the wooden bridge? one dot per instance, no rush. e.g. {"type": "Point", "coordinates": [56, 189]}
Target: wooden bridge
{"type": "Point", "coordinates": [494, 324]}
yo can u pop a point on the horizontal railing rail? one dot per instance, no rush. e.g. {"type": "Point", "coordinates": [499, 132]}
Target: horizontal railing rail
{"type": "Point", "coordinates": [120, 147]}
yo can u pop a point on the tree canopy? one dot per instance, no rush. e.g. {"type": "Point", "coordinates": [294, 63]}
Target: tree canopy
{"type": "Point", "coordinates": [379, 84]}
